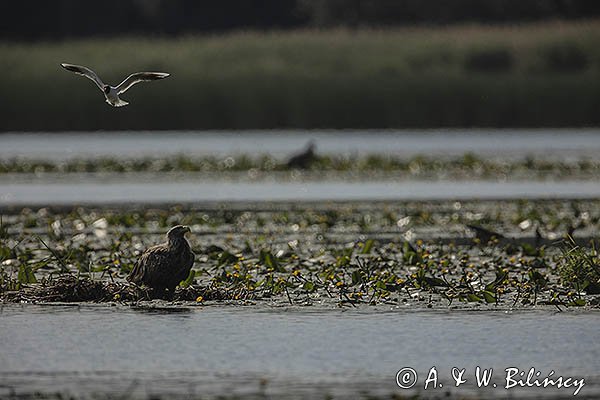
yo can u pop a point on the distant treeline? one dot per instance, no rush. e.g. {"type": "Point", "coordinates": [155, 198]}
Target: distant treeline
{"type": "Point", "coordinates": [63, 19]}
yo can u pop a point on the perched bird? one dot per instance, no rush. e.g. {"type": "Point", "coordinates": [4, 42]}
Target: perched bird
{"type": "Point", "coordinates": [112, 92]}
{"type": "Point", "coordinates": [304, 159]}
{"type": "Point", "coordinates": [165, 265]}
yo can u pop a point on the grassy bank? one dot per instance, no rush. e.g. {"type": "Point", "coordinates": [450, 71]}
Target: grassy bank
{"type": "Point", "coordinates": [533, 75]}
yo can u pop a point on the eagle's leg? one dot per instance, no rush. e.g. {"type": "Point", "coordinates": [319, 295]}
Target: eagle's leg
{"type": "Point", "coordinates": [159, 293]}
{"type": "Point", "coordinates": [172, 292]}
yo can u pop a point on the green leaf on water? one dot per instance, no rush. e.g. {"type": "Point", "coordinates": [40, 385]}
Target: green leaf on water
{"type": "Point", "coordinates": [537, 278]}
{"type": "Point", "coordinates": [227, 258]}
{"type": "Point", "coordinates": [189, 280]}
{"type": "Point", "coordinates": [381, 285]}
{"type": "Point", "coordinates": [432, 281]}
{"type": "Point", "coordinates": [270, 261]}
{"type": "Point", "coordinates": [367, 247]}
{"type": "Point", "coordinates": [356, 277]}
{"type": "Point", "coordinates": [473, 298]}
{"type": "Point", "coordinates": [530, 250]}
{"type": "Point", "coordinates": [501, 275]}
{"type": "Point", "coordinates": [410, 254]}
{"type": "Point", "coordinates": [5, 252]}
{"type": "Point", "coordinates": [488, 296]}
{"type": "Point", "coordinates": [578, 303]}
{"type": "Point", "coordinates": [99, 268]}
{"type": "Point", "coordinates": [342, 261]}
{"type": "Point", "coordinates": [26, 274]}
{"type": "Point", "coordinates": [309, 286]}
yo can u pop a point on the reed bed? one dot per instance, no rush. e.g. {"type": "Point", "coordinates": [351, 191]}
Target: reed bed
{"type": "Point", "coordinates": [543, 74]}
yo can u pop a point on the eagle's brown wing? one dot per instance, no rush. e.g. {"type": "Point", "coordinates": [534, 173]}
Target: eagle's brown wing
{"type": "Point", "coordinates": [152, 267]}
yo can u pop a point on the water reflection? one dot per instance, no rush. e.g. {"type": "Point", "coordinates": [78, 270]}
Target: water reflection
{"type": "Point", "coordinates": [158, 310]}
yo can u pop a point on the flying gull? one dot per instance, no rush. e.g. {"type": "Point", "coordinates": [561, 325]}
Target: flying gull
{"type": "Point", "coordinates": [112, 92]}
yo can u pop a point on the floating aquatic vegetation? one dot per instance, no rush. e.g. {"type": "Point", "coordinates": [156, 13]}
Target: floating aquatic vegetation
{"type": "Point", "coordinates": [347, 254]}
{"type": "Point", "coordinates": [468, 165]}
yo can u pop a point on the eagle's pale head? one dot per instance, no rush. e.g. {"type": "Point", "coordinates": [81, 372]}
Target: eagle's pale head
{"type": "Point", "coordinates": [178, 232]}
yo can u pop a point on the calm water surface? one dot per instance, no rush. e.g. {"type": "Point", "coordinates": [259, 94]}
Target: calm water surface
{"type": "Point", "coordinates": [41, 193]}
{"type": "Point", "coordinates": [227, 350]}
{"type": "Point", "coordinates": [555, 143]}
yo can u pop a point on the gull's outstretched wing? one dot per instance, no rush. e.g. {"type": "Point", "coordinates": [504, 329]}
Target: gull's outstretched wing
{"type": "Point", "coordinates": [84, 71]}
{"type": "Point", "coordinates": [139, 77]}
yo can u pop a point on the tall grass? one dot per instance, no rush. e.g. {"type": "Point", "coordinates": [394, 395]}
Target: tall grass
{"type": "Point", "coordinates": [533, 75]}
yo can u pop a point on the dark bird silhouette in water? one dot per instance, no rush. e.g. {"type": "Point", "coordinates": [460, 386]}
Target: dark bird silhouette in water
{"type": "Point", "coordinates": [163, 266]}
{"type": "Point", "coordinates": [305, 159]}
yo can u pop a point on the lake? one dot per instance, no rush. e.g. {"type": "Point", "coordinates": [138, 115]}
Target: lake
{"type": "Point", "coordinates": [262, 351]}
{"type": "Point", "coordinates": [506, 143]}
{"type": "Point", "coordinates": [287, 352]}
{"type": "Point", "coordinates": [562, 144]}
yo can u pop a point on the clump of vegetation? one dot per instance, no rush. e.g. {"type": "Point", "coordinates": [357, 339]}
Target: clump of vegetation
{"type": "Point", "coordinates": [580, 267]}
{"type": "Point", "coordinates": [70, 288]}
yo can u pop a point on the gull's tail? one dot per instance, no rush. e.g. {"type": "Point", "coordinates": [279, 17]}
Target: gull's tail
{"type": "Point", "coordinates": [117, 103]}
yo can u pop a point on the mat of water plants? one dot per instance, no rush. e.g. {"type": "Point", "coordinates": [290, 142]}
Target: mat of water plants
{"type": "Point", "coordinates": [466, 255]}
{"type": "Point", "coordinates": [340, 166]}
